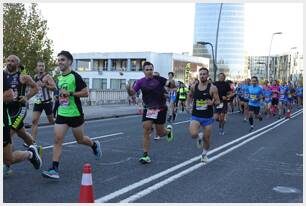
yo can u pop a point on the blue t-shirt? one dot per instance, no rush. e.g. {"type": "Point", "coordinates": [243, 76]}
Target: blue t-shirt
{"type": "Point", "coordinates": [283, 93]}
{"type": "Point", "coordinates": [255, 93]}
{"type": "Point", "coordinates": [245, 91]}
{"type": "Point", "coordinates": [267, 95]}
{"type": "Point", "coordinates": [299, 91]}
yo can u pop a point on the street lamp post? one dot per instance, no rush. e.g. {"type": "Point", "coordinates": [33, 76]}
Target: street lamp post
{"type": "Point", "coordinates": [213, 56]}
{"type": "Point", "coordinates": [268, 75]}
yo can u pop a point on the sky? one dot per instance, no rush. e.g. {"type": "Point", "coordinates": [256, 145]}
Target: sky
{"type": "Point", "coordinates": [163, 27]}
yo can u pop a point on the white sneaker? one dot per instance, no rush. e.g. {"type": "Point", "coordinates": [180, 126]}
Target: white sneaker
{"type": "Point", "coordinates": [157, 137]}
{"type": "Point", "coordinates": [204, 158]}
{"type": "Point", "coordinates": [200, 141]}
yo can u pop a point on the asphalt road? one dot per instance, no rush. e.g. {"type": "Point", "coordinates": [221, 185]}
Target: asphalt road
{"type": "Point", "coordinates": [259, 167]}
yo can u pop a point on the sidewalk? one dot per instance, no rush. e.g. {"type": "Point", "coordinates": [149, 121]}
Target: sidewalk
{"type": "Point", "coordinates": [92, 113]}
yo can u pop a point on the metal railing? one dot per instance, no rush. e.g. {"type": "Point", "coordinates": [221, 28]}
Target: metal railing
{"type": "Point", "coordinates": [99, 97]}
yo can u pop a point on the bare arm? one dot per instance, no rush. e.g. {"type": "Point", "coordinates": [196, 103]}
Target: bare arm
{"type": "Point", "coordinates": [26, 79]}
{"type": "Point", "coordinates": [214, 94]}
{"type": "Point", "coordinates": [8, 95]}
{"type": "Point", "coordinates": [190, 95]}
{"type": "Point", "coordinates": [130, 90]}
{"type": "Point", "coordinates": [83, 93]}
{"type": "Point", "coordinates": [50, 83]}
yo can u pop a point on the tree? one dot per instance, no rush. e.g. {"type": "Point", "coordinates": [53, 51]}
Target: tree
{"type": "Point", "coordinates": [25, 35]}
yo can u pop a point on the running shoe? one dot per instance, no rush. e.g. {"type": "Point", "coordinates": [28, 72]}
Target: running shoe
{"type": "Point", "coordinates": [25, 145]}
{"type": "Point", "coordinates": [39, 149]}
{"type": "Point", "coordinates": [170, 134]}
{"type": "Point", "coordinates": [51, 173]}
{"type": "Point", "coordinates": [35, 160]}
{"type": "Point", "coordinates": [204, 158]}
{"type": "Point", "coordinates": [97, 151]}
{"type": "Point", "coordinates": [157, 138]}
{"type": "Point", "coordinates": [145, 160]}
{"type": "Point", "coordinates": [7, 171]}
{"type": "Point", "coordinates": [251, 128]}
{"type": "Point", "coordinates": [200, 141]}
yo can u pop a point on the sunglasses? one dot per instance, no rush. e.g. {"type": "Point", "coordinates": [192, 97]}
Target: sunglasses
{"type": "Point", "coordinates": [148, 70]}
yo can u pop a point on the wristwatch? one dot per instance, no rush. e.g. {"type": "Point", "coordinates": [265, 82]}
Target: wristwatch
{"type": "Point", "coordinates": [70, 93]}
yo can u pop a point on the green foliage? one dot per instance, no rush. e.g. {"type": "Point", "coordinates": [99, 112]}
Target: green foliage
{"type": "Point", "coordinates": [25, 35]}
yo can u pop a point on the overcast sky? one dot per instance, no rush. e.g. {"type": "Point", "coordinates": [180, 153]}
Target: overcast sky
{"type": "Point", "coordinates": [163, 27]}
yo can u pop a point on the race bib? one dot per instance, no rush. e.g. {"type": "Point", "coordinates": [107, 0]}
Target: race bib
{"type": "Point", "coordinates": [152, 113]}
{"type": "Point", "coordinates": [282, 96]}
{"type": "Point", "coordinates": [253, 97]}
{"type": "Point", "coordinates": [201, 104]}
{"type": "Point", "coordinates": [38, 97]}
{"type": "Point", "coordinates": [63, 101]}
{"type": "Point", "coordinates": [220, 106]}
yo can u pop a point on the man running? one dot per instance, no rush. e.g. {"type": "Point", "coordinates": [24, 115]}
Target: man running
{"type": "Point", "coordinates": [255, 92]}
{"type": "Point", "coordinates": [182, 92]}
{"type": "Point", "coordinates": [204, 95]}
{"type": "Point", "coordinates": [267, 95]}
{"type": "Point", "coordinates": [43, 100]}
{"type": "Point", "coordinates": [275, 97]}
{"type": "Point", "coordinates": [10, 157]}
{"type": "Point", "coordinates": [224, 92]}
{"type": "Point", "coordinates": [70, 113]}
{"type": "Point", "coordinates": [18, 107]}
{"type": "Point", "coordinates": [171, 89]}
{"type": "Point", "coordinates": [299, 94]}
{"type": "Point", "coordinates": [291, 96]}
{"type": "Point", "coordinates": [155, 108]}
{"type": "Point", "coordinates": [283, 99]}
{"type": "Point", "coordinates": [245, 99]}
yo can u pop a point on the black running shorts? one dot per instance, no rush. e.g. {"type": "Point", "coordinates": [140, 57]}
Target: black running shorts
{"type": "Point", "coordinates": [48, 106]}
{"type": "Point", "coordinates": [161, 117]}
{"type": "Point", "coordinates": [70, 121]}
{"type": "Point", "coordinates": [254, 109]}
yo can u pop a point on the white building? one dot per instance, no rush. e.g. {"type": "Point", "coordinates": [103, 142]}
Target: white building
{"type": "Point", "coordinates": [113, 70]}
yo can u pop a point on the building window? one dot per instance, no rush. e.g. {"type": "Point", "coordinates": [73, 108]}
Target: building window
{"type": "Point", "coordinates": [83, 65]}
{"type": "Point", "coordinates": [99, 83]}
{"type": "Point", "coordinates": [136, 64]}
{"type": "Point", "coordinates": [117, 83]}
{"type": "Point", "coordinates": [99, 64]}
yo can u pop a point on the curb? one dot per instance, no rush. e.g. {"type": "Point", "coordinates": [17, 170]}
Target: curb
{"type": "Point", "coordinates": [89, 119]}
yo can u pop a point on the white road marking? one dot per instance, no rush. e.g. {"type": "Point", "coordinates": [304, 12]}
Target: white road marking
{"type": "Point", "coordinates": [170, 179]}
{"type": "Point", "coordinates": [99, 137]}
{"type": "Point", "coordinates": [176, 167]}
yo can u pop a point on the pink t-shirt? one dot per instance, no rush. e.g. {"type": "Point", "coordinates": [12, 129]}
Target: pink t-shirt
{"type": "Point", "coordinates": [274, 94]}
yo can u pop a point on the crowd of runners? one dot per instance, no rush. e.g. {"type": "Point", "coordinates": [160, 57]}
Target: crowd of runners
{"type": "Point", "coordinates": [162, 100]}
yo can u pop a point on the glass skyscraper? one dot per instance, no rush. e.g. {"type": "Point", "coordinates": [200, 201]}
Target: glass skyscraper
{"type": "Point", "coordinates": [230, 47]}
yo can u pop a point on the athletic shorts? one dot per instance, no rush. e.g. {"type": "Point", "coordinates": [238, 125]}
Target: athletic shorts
{"type": "Point", "coordinates": [254, 109]}
{"type": "Point", "coordinates": [6, 136]}
{"type": "Point", "coordinates": [47, 106]}
{"type": "Point", "coordinates": [221, 110]}
{"type": "Point", "coordinates": [290, 100]}
{"type": "Point", "coordinates": [159, 119]}
{"type": "Point", "coordinates": [245, 100]}
{"type": "Point", "coordinates": [275, 101]}
{"type": "Point", "coordinates": [17, 118]}
{"type": "Point", "coordinates": [283, 101]}
{"type": "Point", "coordinates": [70, 121]}
{"type": "Point", "coordinates": [203, 121]}
{"type": "Point", "coordinates": [268, 101]}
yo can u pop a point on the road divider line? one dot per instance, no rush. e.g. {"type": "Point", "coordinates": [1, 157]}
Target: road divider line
{"type": "Point", "coordinates": [158, 185]}
{"type": "Point", "coordinates": [176, 167]}
{"type": "Point", "coordinates": [93, 138]}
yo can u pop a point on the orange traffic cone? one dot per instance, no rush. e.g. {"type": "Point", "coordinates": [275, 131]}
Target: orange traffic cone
{"type": "Point", "coordinates": [86, 190]}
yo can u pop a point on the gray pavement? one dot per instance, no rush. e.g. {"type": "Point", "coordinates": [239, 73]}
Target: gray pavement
{"type": "Point", "coordinates": [92, 112]}
{"type": "Point", "coordinates": [237, 173]}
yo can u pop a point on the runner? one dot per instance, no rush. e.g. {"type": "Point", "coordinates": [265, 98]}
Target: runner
{"type": "Point", "coordinates": [182, 92]}
{"type": "Point", "coordinates": [224, 92]}
{"type": "Point", "coordinates": [171, 89]}
{"type": "Point", "coordinates": [255, 92]}
{"type": "Point", "coordinates": [299, 94]}
{"type": "Point", "coordinates": [283, 99]}
{"type": "Point", "coordinates": [18, 107]}
{"type": "Point", "coordinates": [155, 109]}
{"type": "Point", "coordinates": [245, 99]}
{"type": "Point", "coordinates": [275, 97]}
{"type": "Point", "coordinates": [70, 113]}
{"type": "Point", "coordinates": [267, 94]}
{"type": "Point", "coordinates": [43, 101]}
{"type": "Point", "coordinates": [10, 157]}
{"type": "Point", "coordinates": [291, 96]}
{"type": "Point", "coordinates": [204, 95]}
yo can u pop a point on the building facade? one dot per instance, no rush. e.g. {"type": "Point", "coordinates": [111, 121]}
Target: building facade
{"type": "Point", "coordinates": [230, 45]}
{"type": "Point", "coordinates": [114, 70]}
{"type": "Point", "coordinates": [258, 66]}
